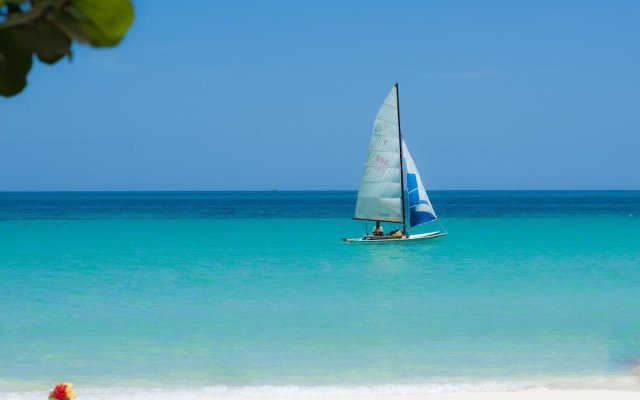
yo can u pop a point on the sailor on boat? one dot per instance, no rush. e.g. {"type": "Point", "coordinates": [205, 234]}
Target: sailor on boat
{"type": "Point", "coordinates": [377, 230]}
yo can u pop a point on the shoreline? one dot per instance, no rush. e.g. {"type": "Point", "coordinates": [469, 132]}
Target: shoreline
{"type": "Point", "coordinates": [526, 394]}
{"type": "Point", "coordinates": [529, 394]}
{"type": "Point", "coordinates": [619, 387]}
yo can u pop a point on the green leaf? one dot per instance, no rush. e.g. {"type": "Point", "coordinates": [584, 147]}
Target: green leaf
{"type": "Point", "coordinates": [104, 21]}
{"type": "Point", "coordinates": [48, 42]}
{"type": "Point", "coordinates": [68, 25]}
{"type": "Point", "coordinates": [44, 39]}
{"type": "Point", "coordinates": [15, 63]}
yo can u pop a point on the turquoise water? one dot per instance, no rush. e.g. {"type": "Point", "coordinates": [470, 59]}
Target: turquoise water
{"type": "Point", "coordinates": [193, 290]}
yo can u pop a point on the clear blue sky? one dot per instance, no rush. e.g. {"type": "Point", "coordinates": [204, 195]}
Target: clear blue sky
{"type": "Point", "coordinates": [217, 95]}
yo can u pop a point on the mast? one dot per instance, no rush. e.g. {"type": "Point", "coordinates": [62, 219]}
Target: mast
{"type": "Point", "coordinates": [404, 223]}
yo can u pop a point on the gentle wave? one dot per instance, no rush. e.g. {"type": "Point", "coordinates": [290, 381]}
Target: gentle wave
{"type": "Point", "coordinates": [130, 393]}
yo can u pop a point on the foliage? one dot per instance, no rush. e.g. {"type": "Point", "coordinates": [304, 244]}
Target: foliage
{"type": "Point", "coordinates": [47, 29]}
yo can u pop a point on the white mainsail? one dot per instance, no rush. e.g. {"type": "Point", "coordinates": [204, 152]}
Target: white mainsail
{"type": "Point", "coordinates": [380, 194]}
{"type": "Point", "coordinates": [420, 208]}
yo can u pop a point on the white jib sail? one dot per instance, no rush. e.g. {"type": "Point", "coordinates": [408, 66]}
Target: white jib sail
{"type": "Point", "coordinates": [380, 193]}
{"type": "Point", "coordinates": [420, 209]}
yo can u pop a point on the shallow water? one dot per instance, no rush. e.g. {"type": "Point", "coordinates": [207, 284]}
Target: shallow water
{"type": "Point", "coordinates": [246, 289]}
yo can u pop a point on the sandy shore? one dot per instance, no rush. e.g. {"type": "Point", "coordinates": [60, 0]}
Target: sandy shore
{"type": "Point", "coordinates": [530, 394]}
{"type": "Point", "coordinates": [630, 393]}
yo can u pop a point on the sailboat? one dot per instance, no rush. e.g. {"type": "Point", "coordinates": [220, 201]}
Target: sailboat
{"type": "Point", "coordinates": [391, 184]}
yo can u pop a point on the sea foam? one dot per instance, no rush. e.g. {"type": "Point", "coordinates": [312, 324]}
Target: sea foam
{"type": "Point", "coordinates": [217, 391]}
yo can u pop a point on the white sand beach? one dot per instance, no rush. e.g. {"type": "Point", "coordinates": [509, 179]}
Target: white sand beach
{"type": "Point", "coordinates": [531, 394]}
{"type": "Point", "coordinates": [620, 390]}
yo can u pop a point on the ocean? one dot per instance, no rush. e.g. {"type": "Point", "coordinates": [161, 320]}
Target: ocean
{"type": "Point", "coordinates": [188, 294]}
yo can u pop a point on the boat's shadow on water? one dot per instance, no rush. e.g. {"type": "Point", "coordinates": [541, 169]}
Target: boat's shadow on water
{"type": "Point", "coordinates": [395, 257]}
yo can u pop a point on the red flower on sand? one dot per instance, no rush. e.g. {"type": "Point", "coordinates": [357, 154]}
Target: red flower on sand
{"type": "Point", "coordinates": [62, 391]}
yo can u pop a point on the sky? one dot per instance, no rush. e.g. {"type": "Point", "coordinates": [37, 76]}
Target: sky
{"type": "Point", "coordinates": [262, 95]}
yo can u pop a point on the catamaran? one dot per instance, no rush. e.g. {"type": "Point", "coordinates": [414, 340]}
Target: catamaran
{"type": "Point", "coordinates": [391, 184]}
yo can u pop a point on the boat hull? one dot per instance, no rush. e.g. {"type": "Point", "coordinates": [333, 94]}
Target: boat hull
{"type": "Point", "coordinates": [418, 236]}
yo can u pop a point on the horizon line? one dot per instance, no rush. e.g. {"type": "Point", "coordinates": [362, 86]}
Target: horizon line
{"type": "Point", "coordinates": [301, 190]}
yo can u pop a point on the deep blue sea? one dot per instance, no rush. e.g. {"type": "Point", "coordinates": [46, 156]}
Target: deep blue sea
{"type": "Point", "coordinates": [181, 294]}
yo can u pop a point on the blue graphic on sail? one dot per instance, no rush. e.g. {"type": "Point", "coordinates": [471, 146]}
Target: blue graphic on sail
{"type": "Point", "coordinates": [420, 209]}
